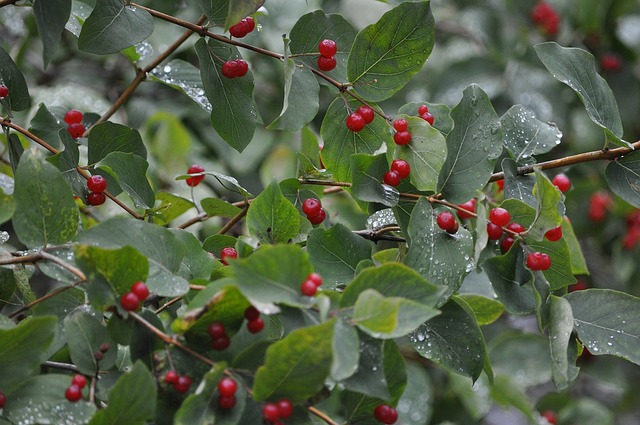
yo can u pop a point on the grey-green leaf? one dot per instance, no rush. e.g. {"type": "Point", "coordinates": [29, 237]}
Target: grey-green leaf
{"type": "Point", "coordinates": [51, 17]}
{"type": "Point", "coordinates": [108, 137]}
{"type": "Point", "coordinates": [623, 176]}
{"type": "Point", "coordinates": [272, 218]}
{"type": "Point", "coordinates": [560, 327]}
{"type": "Point", "coordinates": [13, 79]}
{"type": "Point", "coordinates": [130, 171]}
{"type": "Point", "coordinates": [525, 135]}
{"type": "Point", "coordinates": [85, 334]}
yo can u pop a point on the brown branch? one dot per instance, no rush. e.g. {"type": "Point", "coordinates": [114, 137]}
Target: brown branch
{"type": "Point", "coordinates": [234, 220]}
{"type": "Point", "coordinates": [45, 297]}
{"type": "Point", "coordinates": [4, 3]}
{"type": "Point", "coordinates": [321, 415]}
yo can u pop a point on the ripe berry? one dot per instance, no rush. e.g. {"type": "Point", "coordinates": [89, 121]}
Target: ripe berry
{"type": "Point", "coordinates": [469, 206]}
{"type": "Point", "coordinates": [355, 122]}
{"type": "Point", "coordinates": [194, 181]}
{"type": "Point", "coordinates": [170, 377]}
{"type": "Point", "coordinates": [4, 91]}
{"type": "Point", "coordinates": [318, 218]}
{"type": "Point", "coordinates": [550, 417]}
{"type": "Point", "coordinates": [538, 261]}
{"type": "Point", "coordinates": [515, 227]}
{"type": "Point", "coordinates": [96, 199]}
{"type": "Point", "coordinates": [562, 182]}
{"type": "Point", "coordinates": [400, 124]}
{"type": "Point", "coordinates": [308, 288]}
{"type": "Point", "coordinates": [227, 387]}
{"type": "Point", "coordinates": [580, 285]}
{"type": "Point", "coordinates": [251, 313]}
{"type": "Point", "coordinates": [385, 414]}
{"type": "Point", "coordinates": [73, 393]}
{"type": "Point", "coordinates": [73, 116]}
{"type": "Point", "coordinates": [494, 231]}
{"type": "Point", "coordinates": [366, 113]}
{"type": "Point", "coordinates": [401, 167]}
{"type": "Point", "coordinates": [554, 234]}
{"type": "Point", "coordinates": [327, 48]}
{"type": "Point", "coordinates": [182, 384]}
{"type": "Point", "coordinates": [227, 252]}
{"type": "Point", "coordinates": [216, 330]}
{"type": "Point", "coordinates": [311, 206]}
{"type": "Point", "coordinates": [221, 344]}
{"type": "Point", "coordinates": [3, 400]}
{"type": "Point", "coordinates": [428, 117]}
{"type": "Point", "coordinates": [422, 109]}
{"type": "Point", "coordinates": [141, 290]}
{"type": "Point", "coordinates": [402, 138]}
{"type": "Point", "coordinates": [315, 278]}
{"type": "Point", "coordinates": [610, 62]}
{"type": "Point", "coordinates": [255, 326]}
{"type": "Point", "coordinates": [235, 68]}
{"type": "Point", "coordinates": [242, 28]}
{"type": "Point", "coordinates": [79, 380]}
{"type": "Point", "coordinates": [543, 15]}
{"type": "Point", "coordinates": [130, 301]}
{"type": "Point", "coordinates": [227, 402]}
{"type": "Point", "coordinates": [499, 216]}
{"type": "Point", "coordinates": [286, 408]}
{"type": "Point", "coordinates": [446, 220]}
{"type": "Point", "coordinates": [97, 183]}
{"type": "Point", "coordinates": [270, 412]}
{"type": "Point", "coordinates": [326, 64]}
{"type": "Point", "coordinates": [392, 178]}
{"type": "Point", "coordinates": [76, 130]}
{"type": "Point", "coordinates": [242, 67]}
{"type": "Point", "coordinates": [500, 184]}
{"type": "Point", "coordinates": [506, 244]}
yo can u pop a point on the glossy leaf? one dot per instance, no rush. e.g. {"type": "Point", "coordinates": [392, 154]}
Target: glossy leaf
{"type": "Point", "coordinates": [272, 218]}
{"type": "Point", "coordinates": [85, 334]}
{"type": "Point", "coordinates": [184, 77]}
{"type": "Point", "coordinates": [623, 177]}
{"type": "Point", "coordinates": [130, 171]}
{"type": "Point", "coordinates": [385, 55]}
{"type": "Point", "coordinates": [12, 78]}
{"type": "Point", "coordinates": [526, 136]}
{"type": "Point", "coordinates": [108, 137]}
{"type": "Point", "coordinates": [113, 26]}
{"type": "Point", "coordinates": [563, 367]}
{"type": "Point", "coordinates": [367, 171]}
{"type": "Point", "coordinates": [474, 145]}
{"type": "Point", "coordinates": [51, 17]}
{"type": "Point", "coordinates": [227, 181]}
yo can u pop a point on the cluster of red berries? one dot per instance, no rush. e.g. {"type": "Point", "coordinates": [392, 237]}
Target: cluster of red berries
{"type": "Point", "coordinates": [74, 392]}
{"type": "Point", "coordinates": [254, 322]}
{"type": "Point", "coordinates": [274, 412]}
{"type": "Point", "coordinates": [311, 284]}
{"type": "Point", "coordinates": [327, 60]}
{"type": "Point", "coordinates": [4, 92]}
{"type": "Point", "coordinates": [226, 253]}
{"type": "Point", "coordinates": [130, 301]}
{"type": "Point", "coordinates": [385, 414]}
{"type": "Point", "coordinates": [220, 341]}
{"type": "Point", "coordinates": [96, 185]}
{"type": "Point", "coordinates": [447, 222]}
{"type": "Point", "coordinates": [402, 135]}
{"type": "Point", "coordinates": [227, 388]}
{"type": "Point", "coordinates": [180, 383]}
{"type": "Point", "coordinates": [235, 68]}
{"type": "Point", "coordinates": [546, 18]}
{"type": "Point", "coordinates": [632, 237]}
{"type": "Point", "coordinates": [400, 170]}
{"type": "Point", "coordinates": [73, 118]}
{"type": "Point", "coordinates": [312, 208]}
{"type": "Point", "coordinates": [599, 203]}
{"type": "Point", "coordinates": [423, 112]}
{"type": "Point", "coordinates": [361, 117]}
{"type": "Point", "coordinates": [195, 180]}
{"type": "Point", "coordinates": [242, 28]}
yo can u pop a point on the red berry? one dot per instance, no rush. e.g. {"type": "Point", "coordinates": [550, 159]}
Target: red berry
{"type": "Point", "coordinates": [355, 122]}
{"type": "Point", "coordinates": [182, 384]}
{"type": "Point", "coordinates": [221, 344]}
{"type": "Point", "coordinates": [500, 184]}
{"type": "Point", "coordinates": [130, 301]}
{"type": "Point", "coordinates": [73, 116]}
{"type": "Point", "coordinates": [76, 130]}
{"type": "Point", "coordinates": [402, 138]}
{"type": "Point", "coordinates": [385, 414]}
{"type": "Point", "coordinates": [251, 23]}
{"type": "Point", "coordinates": [392, 178]}
{"type": "Point", "coordinates": [315, 278]}
{"type": "Point", "coordinates": [227, 402]}
{"type": "Point", "coordinates": [227, 387]}
{"type": "Point", "coordinates": [194, 181]}
{"type": "Point", "coordinates": [326, 63]}
{"type": "Point", "coordinates": [308, 288]}
{"type": "Point", "coordinates": [96, 199]}
{"type": "Point", "coordinates": [506, 244]}
{"type": "Point", "coordinates": [550, 417]}
{"type": "Point", "coordinates": [538, 261]}
{"type": "Point", "coordinates": [242, 67]}
{"type": "Point", "coordinates": [631, 239]}
{"type": "Point", "coordinates": [554, 234]}
{"type": "Point", "coordinates": [446, 220]}
{"type": "Point", "coordinates": [400, 124]}
{"type": "Point", "coordinates": [311, 206]}
{"type": "Point", "coordinates": [251, 313]}
{"type": "Point", "coordinates": [4, 91]}
{"type": "Point", "coordinates": [79, 380]}
{"type": "Point", "coordinates": [422, 109]}
{"type": "Point", "coordinates": [401, 167]}
{"type": "Point", "coordinates": [469, 206]}
{"type": "Point", "coordinates": [580, 285]}
{"type": "Point", "coordinates": [73, 393]}
{"type": "Point", "coordinates": [596, 213]}
{"type": "Point", "coordinates": [216, 330]}
{"type": "Point", "coordinates": [242, 28]}
{"type": "Point", "coordinates": [562, 182]}
{"type": "Point", "coordinates": [494, 231]}
{"type": "Point", "coordinates": [229, 69]}
{"type": "Point", "coordinates": [428, 117]}
{"type": "Point", "coordinates": [453, 230]}
{"type": "Point", "coordinates": [610, 62]}
{"type": "Point", "coordinates": [286, 408]}
{"type": "Point", "coordinates": [226, 253]}
{"type": "Point", "coordinates": [366, 113]}
{"type": "Point", "coordinates": [170, 377]}
{"type": "Point", "coordinates": [270, 412]}
{"type": "Point", "coordinates": [327, 48]}
{"type": "Point", "coordinates": [3, 400]}
{"type": "Point", "coordinates": [97, 183]}
{"type": "Point", "coordinates": [256, 325]}
{"type": "Point", "coordinates": [515, 227]}
{"type": "Point", "coordinates": [499, 216]}
{"type": "Point", "coordinates": [543, 15]}
{"type": "Point", "coordinates": [318, 218]}
{"type": "Point", "coordinates": [141, 290]}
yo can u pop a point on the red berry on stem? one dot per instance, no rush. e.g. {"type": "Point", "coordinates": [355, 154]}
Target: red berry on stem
{"type": "Point", "coordinates": [221, 344]}
{"type": "Point", "coordinates": [308, 288]}
{"type": "Point", "coordinates": [515, 227]}
{"type": "Point", "coordinates": [446, 220]}
{"type": "Point", "coordinates": [4, 91]}
{"type": "Point", "coordinates": [385, 414]}
{"type": "Point", "coordinates": [97, 183]}
{"type": "Point", "coordinates": [554, 234]}
{"type": "Point", "coordinates": [402, 138]}
{"type": "Point", "coordinates": [73, 116]}
{"type": "Point", "coordinates": [506, 244]}
{"type": "Point", "coordinates": [562, 182]}
{"type": "Point", "coordinates": [401, 167]}
{"type": "Point", "coordinates": [400, 124]}
{"type": "Point", "coordinates": [227, 402]}
{"type": "Point", "coordinates": [242, 67]}
{"type": "Point", "coordinates": [182, 384]}
{"type": "Point", "coordinates": [538, 261]}
{"type": "Point", "coordinates": [270, 412]}
{"type": "Point", "coordinates": [315, 278]}
{"type": "Point", "coordinates": [130, 301]}
{"type": "Point", "coordinates": [327, 47]}
{"type": "Point", "coordinates": [227, 387]}
{"type": "Point", "coordinates": [256, 325]}
{"type": "Point", "coordinates": [79, 380]}
{"type": "Point", "coordinates": [311, 206]}
{"type": "Point", "coordinates": [251, 313]}
{"type": "Point", "coordinates": [96, 199]}
{"type": "Point", "coordinates": [423, 109]}
{"type": "Point", "coordinates": [392, 178]}
{"type": "Point", "coordinates": [428, 117]}
{"type": "Point", "coordinates": [366, 113]}
{"type": "Point", "coordinates": [194, 181]}
{"type": "Point", "coordinates": [76, 130]}
{"type": "Point", "coordinates": [355, 122]}
{"type": "Point", "coordinates": [229, 69]}
{"type": "Point", "coordinates": [141, 290]}
{"type": "Point", "coordinates": [326, 64]}
{"type": "Point", "coordinates": [226, 253]}
{"type": "Point", "coordinates": [170, 377]}
{"type": "Point", "coordinates": [469, 206]}
{"type": "Point", "coordinates": [251, 23]}
{"type": "Point", "coordinates": [216, 330]}
{"type": "Point", "coordinates": [318, 218]}
{"type": "Point", "coordinates": [494, 231]}
{"type": "Point", "coordinates": [499, 216]}
{"type": "Point", "coordinates": [73, 393]}
{"type": "Point", "coordinates": [286, 408]}
{"type": "Point", "coordinates": [242, 28]}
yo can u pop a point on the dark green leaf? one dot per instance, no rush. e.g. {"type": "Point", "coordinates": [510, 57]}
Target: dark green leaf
{"type": "Point", "coordinates": [15, 151]}
{"type": "Point", "coordinates": [518, 186]}
{"type": "Point", "coordinates": [526, 136]}
{"type": "Point", "coordinates": [13, 79]}
{"type": "Point", "coordinates": [197, 263]}
{"type": "Point", "coordinates": [367, 171]}
{"type": "Point", "coordinates": [387, 54]}
{"type": "Point", "coordinates": [144, 343]}
{"type": "Point", "coordinates": [215, 10]}
{"type": "Point", "coordinates": [560, 327]}
{"type": "Point", "coordinates": [67, 160]}
{"type": "Point", "coordinates": [559, 274]}
{"type": "Point", "coordinates": [108, 137]}
{"type": "Point", "coordinates": [623, 177]}
{"type": "Point", "coordinates": [130, 171]}
{"type": "Point", "coordinates": [51, 17]}
{"type": "Point", "coordinates": [272, 218]}
{"type": "Point", "coordinates": [346, 350]}
{"type": "Point", "coordinates": [45, 126]}
{"type": "Point", "coordinates": [85, 334]}
{"type": "Point", "coordinates": [523, 357]}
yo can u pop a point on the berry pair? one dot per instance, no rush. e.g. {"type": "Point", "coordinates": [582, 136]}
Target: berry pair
{"type": "Point", "coordinates": [361, 117]}
{"type": "Point", "coordinates": [130, 301]}
{"type": "Point", "coordinates": [312, 208]}
{"type": "Point", "coordinates": [545, 17]}
{"type": "Point", "coordinates": [73, 118]}
{"type": "Point", "coordinates": [4, 91]}
{"type": "Point", "coordinates": [327, 60]}
{"type": "Point", "coordinates": [254, 322]}
{"type": "Point", "coordinates": [538, 261]}
{"type": "Point", "coordinates": [227, 388]}
{"type": "Point", "coordinates": [226, 253]}
{"type": "Point", "coordinates": [220, 341]}
{"type": "Point", "coordinates": [400, 169]}
{"type": "Point", "coordinates": [310, 286]}
{"type": "Point", "coordinates": [423, 112]}
{"type": "Point", "coordinates": [385, 414]}
{"type": "Point", "coordinates": [235, 68]}
{"type": "Point", "coordinates": [402, 136]}
{"type": "Point", "coordinates": [180, 383]}
{"type": "Point", "coordinates": [74, 391]}
{"type": "Point", "coordinates": [508, 241]}
{"type": "Point", "coordinates": [96, 185]}
{"type": "Point", "coordinates": [195, 180]}
{"type": "Point", "coordinates": [273, 412]}
{"type": "Point", "coordinates": [447, 222]}
{"type": "Point", "coordinates": [498, 218]}
{"type": "Point", "coordinates": [242, 28]}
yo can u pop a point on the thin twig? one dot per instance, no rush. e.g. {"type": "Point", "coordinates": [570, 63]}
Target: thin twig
{"type": "Point", "coordinates": [45, 297]}
{"type": "Point", "coordinates": [234, 221]}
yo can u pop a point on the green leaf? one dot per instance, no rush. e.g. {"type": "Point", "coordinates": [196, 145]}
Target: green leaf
{"type": "Point", "coordinates": [51, 17]}
{"type": "Point", "coordinates": [272, 218]}
{"type": "Point", "coordinates": [517, 186]}
{"type": "Point", "coordinates": [12, 78]}
{"type": "Point", "coordinates": [623, 177]}
{"type": "Point", "coordinates": [443, 259]}
{"type": "Point", "coordinates": [346, 350]}
{"type": "Point", "coordinates": [171, 207]}
{"type": "Point", "coordinates": [425, 154]}
{"type": "Point", "coordinates": [563, 367]}
{"type": "Point", "coordinates": [184, 77]}
{"type": "Point", "coordinates": [239, 9]}
{"type": "Point", "coordinates": [113, 26]}
{"type": "Point", "coordinates": [233, 113]}
{"type": "Point", "coordinates": [217, 207]}
{"type": "Point", "coordinates": [215, 10]}
{"type": "Point", "coordinates": [474, 145]}
{"type": "Point", "coordinates": [85, 334]}
{"type": "Point", "coordinates": [108, 137]}
{"type": "Point", "coordinates": [132, 397]}
{"type": "Point", "coordinates": [607, 322]}
{"type": "Point", "coordinates": [130, 171]}
{"type": "Point", "coordinates": [578, 263]}
{"type": "Point", "coordinates": [296, 367]}
{"type": "Point", "coordinates": [549, 210]}
{"type": "Point", "coordinates": [369, 379]}
{"type": "Point", "coordinates": [523, 357]}
{"type": "Point", "coordinates": [385, 55]}
{"type": "Point", "coordinates": [577, 69]}
{"type": "Point", "coordinates": [486, 310]}
{"type": "Point", "coordinates": [526, 136]}
{"type": "Point", "coordinates": [390, 317]}
{"type": "Point", "coordinates": [45, 126]}
{"type": "Point", "coordinates": [559, 274]}
{"type": "Point", "coordinates": [453, 339]}
{"type": "Point", "coordinates": [121, 267]}
{"type": "Point", "coordinates": [22, 349]}
{"type": "Point", "coordinates": [45, 210]}
{"type": "Point", "coordinates": [367, 171]}
{"type": "Point", "coordinates": [68, 159]}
